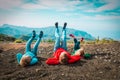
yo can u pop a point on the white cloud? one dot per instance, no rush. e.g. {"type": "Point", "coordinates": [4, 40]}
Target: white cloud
{"type": "Point", "coordinates": [33, 6]}
{"type": "Point", "coordinates": [9, 4]}
{"type": "Point", "coordinates": [110, 5]}
{"type": "Point", "coordinates": [59, 5]}
{"type": "Point", "coordinates": [101, 17]}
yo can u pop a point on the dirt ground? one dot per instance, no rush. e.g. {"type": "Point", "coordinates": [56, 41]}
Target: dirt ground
{"type": "Point", "coordinates": [104, 64]}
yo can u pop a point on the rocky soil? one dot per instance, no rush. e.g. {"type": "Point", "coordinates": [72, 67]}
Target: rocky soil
{"type": "Point", "coordinates": [104, 64]}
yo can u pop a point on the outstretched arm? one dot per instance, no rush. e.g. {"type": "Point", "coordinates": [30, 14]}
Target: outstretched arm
{"type": "Point", "coordinates": [33, 61]}
{"type": "Point", "coordinates": [19, 56]}
{"type": "Point", "coordinates": [74, 59]}
{"type": "Point", "coordinates": [52, 61]}
{"type": "Point", "coordinates": [77, 56]}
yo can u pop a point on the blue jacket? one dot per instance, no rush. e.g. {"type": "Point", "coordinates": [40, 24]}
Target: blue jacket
{"type": "Point", "coordinates": [34, 59]}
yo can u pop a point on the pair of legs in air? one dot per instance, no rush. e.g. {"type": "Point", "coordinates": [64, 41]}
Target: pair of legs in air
{"type": "Point", "coordinates": [77, 47]}
{"type": "Point", "coordinates": [63, 43]}
{"type": "Point", "coordinates": [30, 56]}
{"type": "Point", "coordinates": [76, 43]}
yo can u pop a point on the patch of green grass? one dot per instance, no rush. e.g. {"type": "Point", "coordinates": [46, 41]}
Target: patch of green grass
{"type": "Point", "coordinates": [18, 41]}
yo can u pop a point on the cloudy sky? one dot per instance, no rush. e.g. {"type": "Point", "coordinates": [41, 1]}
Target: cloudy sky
{"type": "Point", "coordinates": [97, 17]}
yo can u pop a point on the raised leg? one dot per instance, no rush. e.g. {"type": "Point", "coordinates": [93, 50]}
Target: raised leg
{"type": "Point", "coordinates": [76, 44]}
{"type": "Point", "coordinates": [64, 43]}
{"type": "Point", "coordinates": [28, 44]}
{"type": "Point", "coordinates": [37, 43]}
{"type": "Point", "coordinates": [57, 36]}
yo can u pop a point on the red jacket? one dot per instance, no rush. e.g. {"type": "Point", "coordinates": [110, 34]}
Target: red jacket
{"type": "Point", "coordinates": [55, 59]}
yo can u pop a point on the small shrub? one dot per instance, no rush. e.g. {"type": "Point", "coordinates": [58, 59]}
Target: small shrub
{"type": "Point", "coordinates": [50, 41]}
{"type": "Point", "coordinates": [18, 41]}
{"type": "Point", "coordinates": [90, 42]}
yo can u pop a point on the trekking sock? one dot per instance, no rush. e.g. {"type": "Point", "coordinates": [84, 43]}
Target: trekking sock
{"type": "Point", "coordinates": [41, 34]}
{"type": "Point", "coordinates": [71, 35]}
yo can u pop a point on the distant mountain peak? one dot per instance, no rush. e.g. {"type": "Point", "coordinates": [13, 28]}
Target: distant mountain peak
{"type": "Point", "coordinates": [18, 31]}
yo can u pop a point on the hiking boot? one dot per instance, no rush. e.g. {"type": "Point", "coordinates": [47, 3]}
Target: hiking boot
{"type": "Point", "coordinates": [65, 24]}
{"type": "Point", "coordinates": [41, 34]}
{"type": "Point", "coordinates": [33, 33]}
{"type": "Point", "coordinates": [56, 24]}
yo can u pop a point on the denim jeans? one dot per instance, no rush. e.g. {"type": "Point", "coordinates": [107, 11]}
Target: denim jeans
{"type": "Point", "coordinates": [63, 43]}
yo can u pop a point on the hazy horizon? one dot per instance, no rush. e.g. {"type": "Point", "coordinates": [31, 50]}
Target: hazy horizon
{"type": "Point", "coordinates": [97, 17]}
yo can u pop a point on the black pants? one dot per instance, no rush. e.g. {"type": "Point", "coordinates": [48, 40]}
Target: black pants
{"type": "Point", "coordinates": [76, 44]}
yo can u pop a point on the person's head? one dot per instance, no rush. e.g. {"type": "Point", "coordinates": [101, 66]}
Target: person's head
{"type": "Point", "coordinates": [63, 59]}
{"type": "Point", "coordinates": [80, 52]}
{"type": "Point", "coordinates": [25, 61]}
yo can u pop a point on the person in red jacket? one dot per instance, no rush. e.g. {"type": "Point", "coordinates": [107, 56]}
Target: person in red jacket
{"type": "Point", "coordinates": [61, 55]}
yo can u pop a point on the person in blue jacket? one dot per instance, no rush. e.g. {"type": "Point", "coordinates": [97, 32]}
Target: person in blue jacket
{"type": "Point", "coordinates": [30, 56]}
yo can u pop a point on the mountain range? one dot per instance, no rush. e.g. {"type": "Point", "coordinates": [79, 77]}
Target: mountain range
{"type": "Point", "coordinates": [18, 31]}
